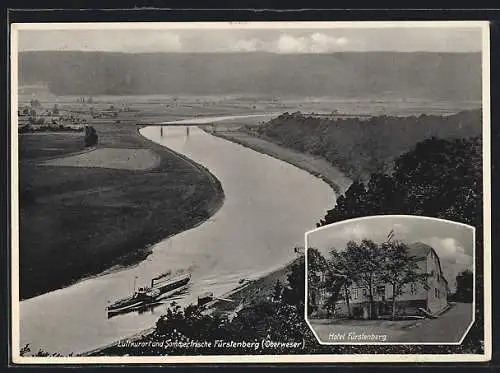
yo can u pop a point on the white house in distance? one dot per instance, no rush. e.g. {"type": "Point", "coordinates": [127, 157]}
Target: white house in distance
{"type": "Point", "coordinates": [414, 296]}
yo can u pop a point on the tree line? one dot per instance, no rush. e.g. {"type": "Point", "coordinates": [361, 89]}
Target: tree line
{"type": "Point", "coordinates": [364, 147]}
{"type": "Point", "coordinates": [439, 178]}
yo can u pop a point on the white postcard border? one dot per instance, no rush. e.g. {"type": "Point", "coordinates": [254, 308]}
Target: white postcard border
{"type": "Point", "coordinates": [320, 358]}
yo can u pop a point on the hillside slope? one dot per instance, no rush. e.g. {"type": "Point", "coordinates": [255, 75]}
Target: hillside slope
{"type": "Point", "coordinates": [450, 76]}
{"type": "Point", "coordinates": [360, 148]}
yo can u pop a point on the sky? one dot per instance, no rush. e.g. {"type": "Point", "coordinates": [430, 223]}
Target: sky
{"type": "Point", "coordinates": [452, 242]}
{"type": "Point", "coordinates": [275, 40]}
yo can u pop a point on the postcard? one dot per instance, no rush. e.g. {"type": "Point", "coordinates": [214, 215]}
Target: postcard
{"type": "Point", "coordinates": [230, 192]}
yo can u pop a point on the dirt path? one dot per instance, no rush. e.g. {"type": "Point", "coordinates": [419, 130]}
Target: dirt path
{"type": "Point", "coordinates": [447, 328]}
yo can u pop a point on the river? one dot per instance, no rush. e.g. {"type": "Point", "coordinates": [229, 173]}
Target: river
{"type": "Point", "coordinates": [268, 206]}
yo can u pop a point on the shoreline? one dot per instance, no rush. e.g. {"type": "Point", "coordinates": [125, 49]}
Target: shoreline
{"type": "Point", "coordinates": [290, 156]}
{"type": "Point", "coordinates": [218, 197]}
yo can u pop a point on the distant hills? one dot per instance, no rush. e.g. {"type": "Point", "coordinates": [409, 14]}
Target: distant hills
{"type": "Point", "coordinates": [443, 76]}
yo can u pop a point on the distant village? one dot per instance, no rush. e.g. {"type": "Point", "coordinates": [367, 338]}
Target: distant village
{"type": "Point", "coordinates": [34, 116]}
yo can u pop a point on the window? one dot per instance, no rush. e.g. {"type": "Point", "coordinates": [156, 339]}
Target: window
{"type": "Point", "coordinates": [365, 292]}
{"type": "Point", "coordinates": [413, 288]}
{"type": "Point", "coordinates": [381, 290]}
{"type": "Point", "coordinates": [355, 294]}
{"type": "Point", "coordinates": [436, 292]}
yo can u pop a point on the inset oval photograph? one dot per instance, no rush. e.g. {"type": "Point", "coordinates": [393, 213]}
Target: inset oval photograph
{"type": "Point", "coordinates": [392, 279]}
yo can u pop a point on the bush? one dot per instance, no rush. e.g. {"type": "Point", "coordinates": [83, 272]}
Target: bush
{"type": "Point", "coordinates": [91, 137]}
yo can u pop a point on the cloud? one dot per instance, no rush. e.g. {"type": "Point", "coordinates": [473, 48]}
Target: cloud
{"type": "Point", "coordinates": [166, 42]}
{"type": "Point", "coordinates": [280, 43]}
{"type": "Point", "coordinates": [289, 44]}
{"type": "Point", "coordinates": [452, 255]}
{"type": "Point", "coordinates": [450, 249]}
{"type": "Point", "coordinates": [273, 40]}
{"type": "Point", "coordinates": [314, 43]}
{"type": "Point", "coordinates": [355, 232]}
{"type": "Point", "coordinates": [243, 45]}
{"type": "Point", "coordinates": [326, 43]}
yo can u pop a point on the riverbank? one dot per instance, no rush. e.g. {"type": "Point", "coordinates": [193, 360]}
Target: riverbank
{"type": "Point", "coordinates": [316, 166]}
{"type": "Point", "coordinates": [112, 211]}
{"type": "Point", "coordinates": [250, 292]}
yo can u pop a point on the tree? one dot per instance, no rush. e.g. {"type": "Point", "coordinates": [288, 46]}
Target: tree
{"type": "Point", "coordinates": [278, 290]}
{"type": "Point", "coordinates": [34, 103]}
{"type": "Point", "coordinates": [367, 256]}
{"type": "Point", "coordinates": [399, 269]}
{"type": "Point", "coordinates": [442, 178]}
{"type": "Point", "coordinates": [351, 205]}
{"type": "Point", "coordinates": [438, 178]}
{"type": "Point", "coordinates": [316, 267]}
{"type": "Point", "coordinates": [190, 323]}
{"type": "Point", "coordinates": [26, 351]}
{"type": "Point", "coordinates": [340, 276]}
{"type": "Point", "coordinates": [380, 197]}
{"type": "Point", "coordinates": [465, 285]}
{"type": "Point", "coordinates": [295, 293]}
{"type": "Point", "coordinates": [91, 136]}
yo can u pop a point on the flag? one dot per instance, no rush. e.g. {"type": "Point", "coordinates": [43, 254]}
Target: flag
{"type": "Point", "coordinates": [390, 235]}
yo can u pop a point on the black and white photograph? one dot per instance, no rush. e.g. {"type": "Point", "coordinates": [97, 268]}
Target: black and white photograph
{"type": "Point", "coordinates": [165, 174]}
{"type": "Point", "coordinates": [391, 279]}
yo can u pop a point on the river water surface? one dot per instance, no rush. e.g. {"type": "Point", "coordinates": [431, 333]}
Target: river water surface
{"type": "Point", "coordinates": [268, 206]}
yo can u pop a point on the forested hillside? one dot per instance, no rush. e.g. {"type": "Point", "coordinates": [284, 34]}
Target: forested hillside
{"type": "Point", "coordinates": [362, 147]}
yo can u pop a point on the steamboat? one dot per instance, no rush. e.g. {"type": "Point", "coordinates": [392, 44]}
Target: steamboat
{"type": "Point", "coordinates": [163, 285]}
